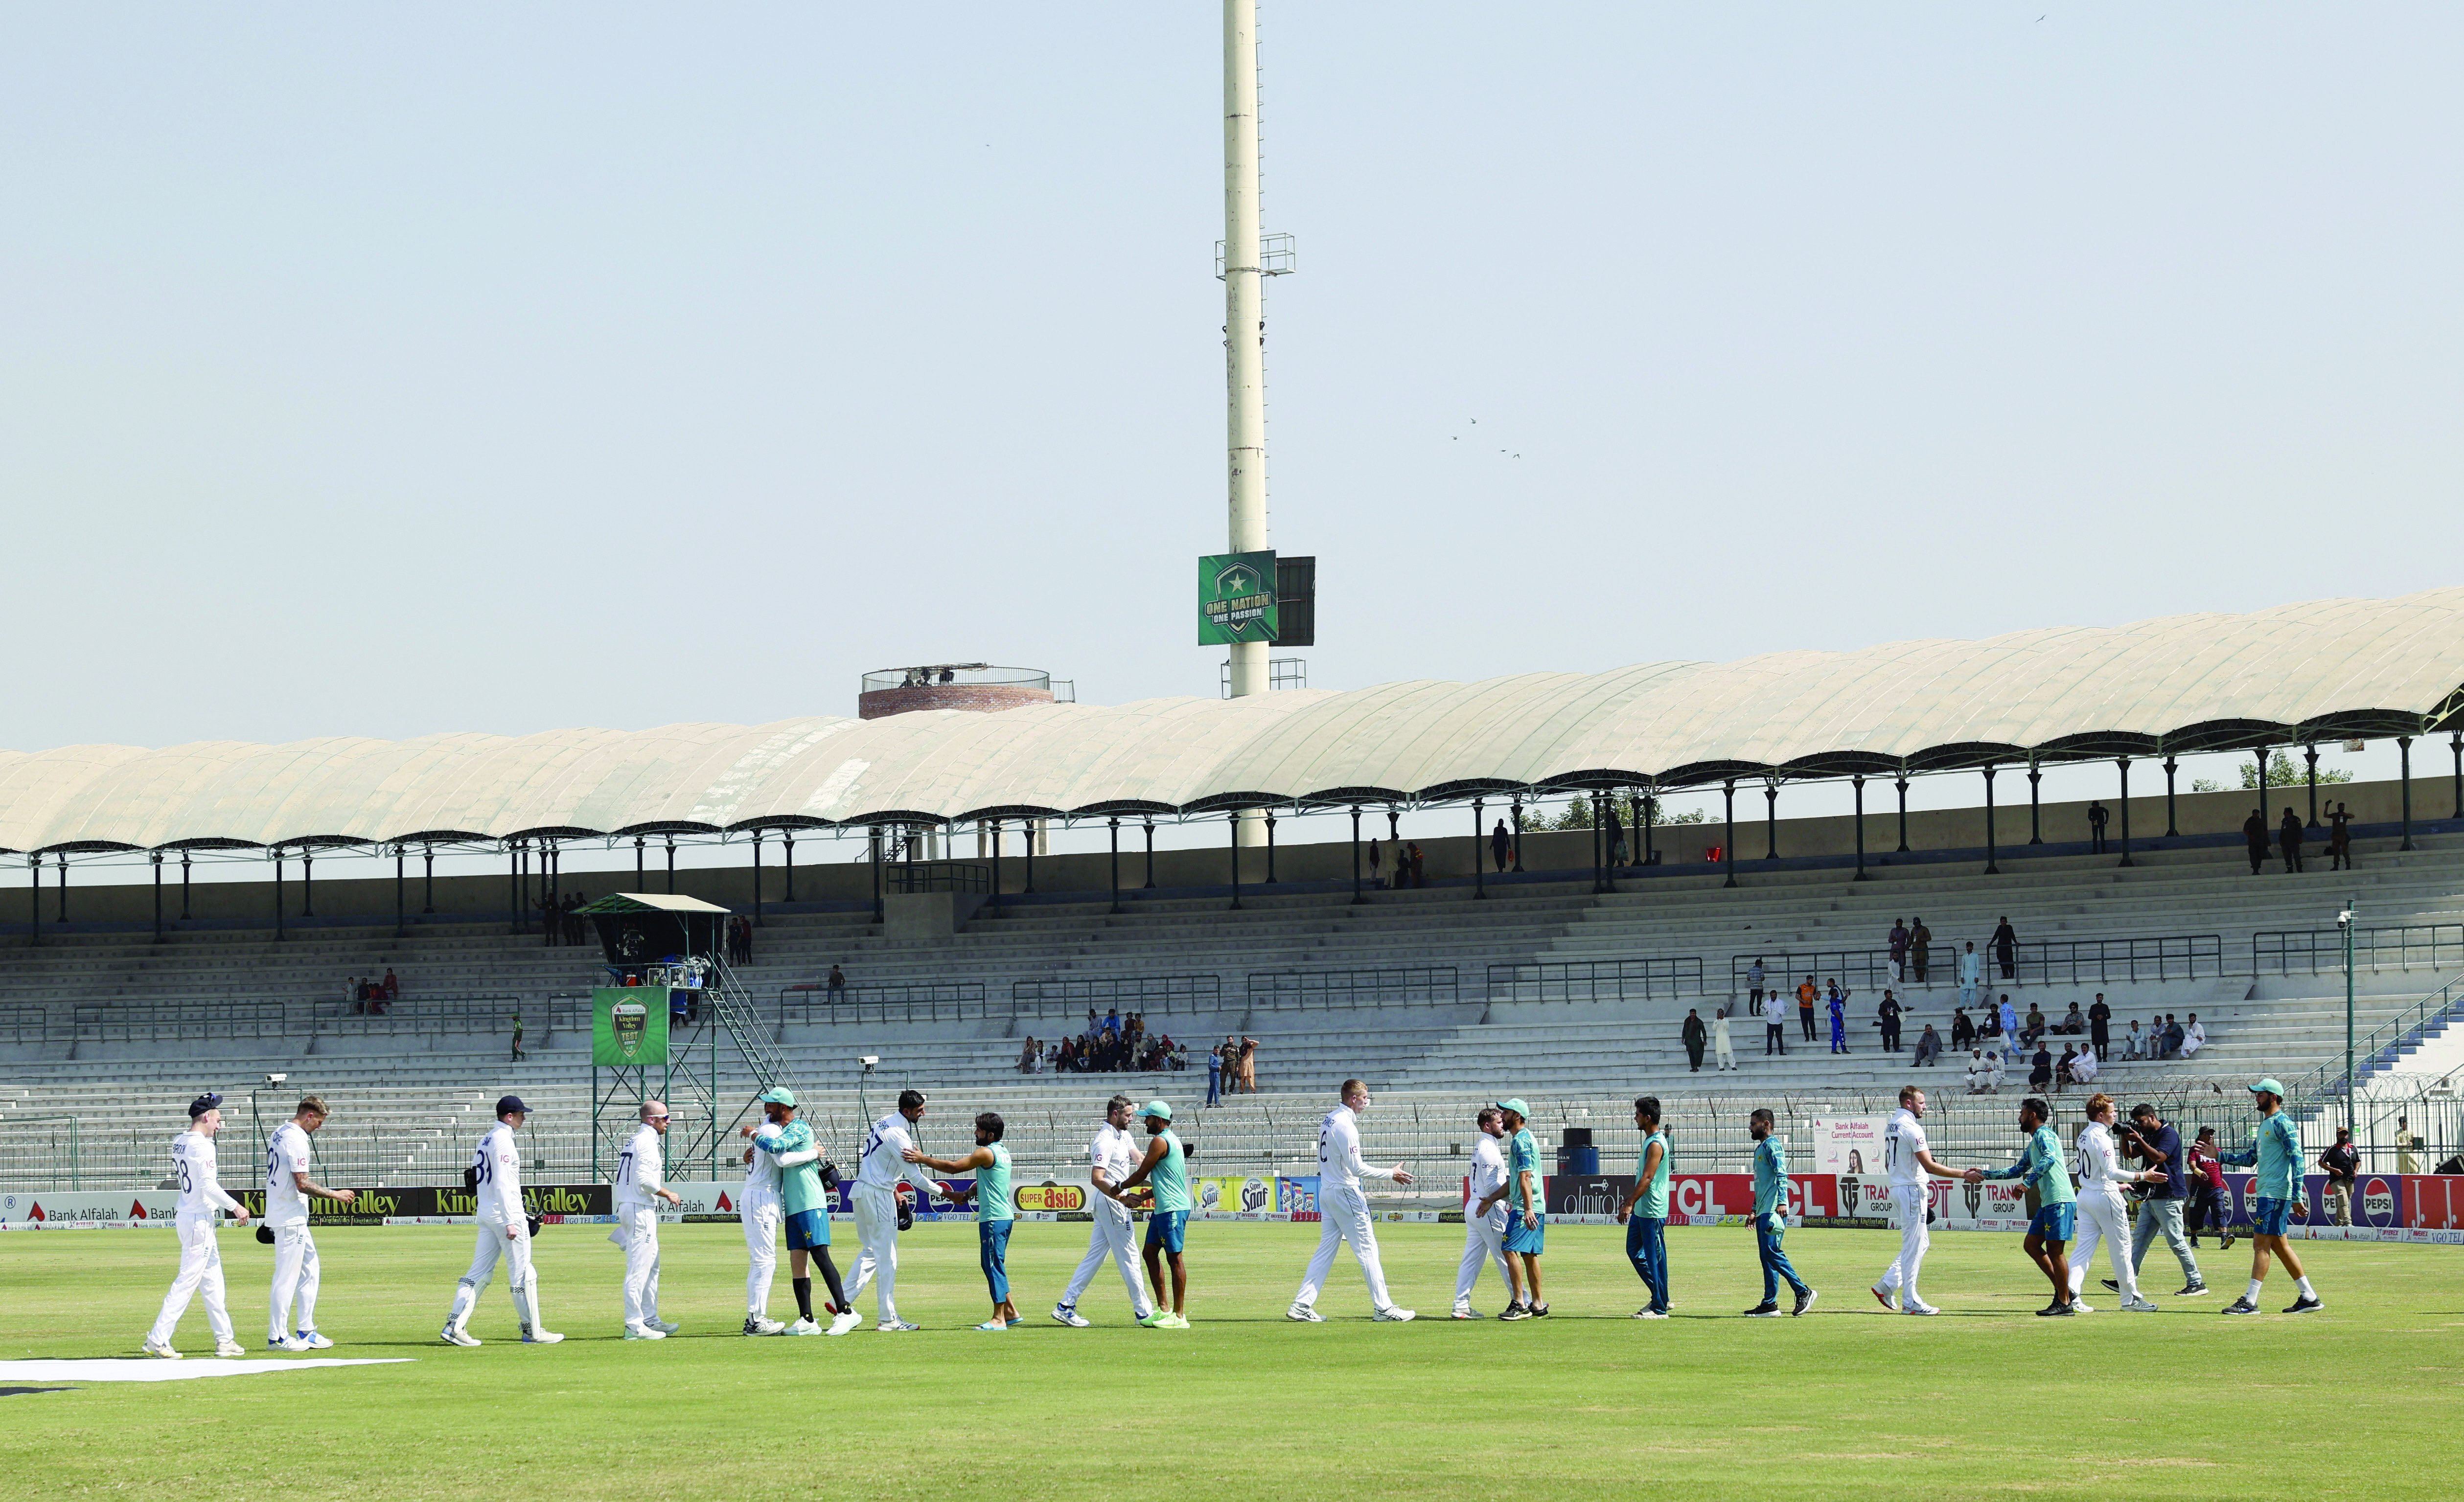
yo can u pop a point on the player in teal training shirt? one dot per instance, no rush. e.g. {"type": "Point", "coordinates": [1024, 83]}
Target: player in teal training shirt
{"type": "Point", "coordinates": [1165, 1169]}
{"type": "Point", "coordinates": [804, 1206]}
{"type": "Point", "coordinates": [995, 1212]}
{"type": "Point", "coordinates": [1527, 1225]}
{"type": "Point", "coordinates": [1770, 1218]}
{"type": "Point", "coordinates": [2276, 1155]}
{"type": "Point", "coordinates": [1645, 1210]}
{"type": "Point", "coordinates": [2044, 1169]}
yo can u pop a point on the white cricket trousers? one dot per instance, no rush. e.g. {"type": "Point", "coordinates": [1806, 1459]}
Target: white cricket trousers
{"type": "Point", "coordinates": [201, 1271]}
{"type": "Point", "coordinates": [639, 1225]}
{"type": "Point", "coordinates": [1112, 1235]}
{"type": "Point", "coordinates": [497, 1242]}
{"type": "Point", "coordinates": [877, 1224]}
{"type": "Point", "coordinates": [1910, 1201]}
{"type": "Point", "coordinates": [1484, 1243]}
{"type": "Point", "coordinates": [294, 1281]}
{"type": "Point", "coordinates": [1343, 1215]}
{"type": "Point", "coordinates": [2103, 1216]}
{"type": "Point", "coordinates": [760, 1218]}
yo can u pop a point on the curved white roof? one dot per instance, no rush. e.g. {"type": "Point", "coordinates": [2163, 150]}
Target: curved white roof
{"type": "Point", "coordinates": [2186, 683]}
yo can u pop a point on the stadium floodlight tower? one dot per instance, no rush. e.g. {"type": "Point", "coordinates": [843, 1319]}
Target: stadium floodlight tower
{"type": "Point", "coordinates": [1248, 260]}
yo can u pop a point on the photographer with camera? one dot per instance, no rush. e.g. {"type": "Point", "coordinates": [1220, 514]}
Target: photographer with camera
{"type": "Point", "coordinates": [2148, 1139]}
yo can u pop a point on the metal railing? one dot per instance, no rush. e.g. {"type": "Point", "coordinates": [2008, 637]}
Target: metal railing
{"type": "Point", "coordinates": [2041, 962]}
{"type": "Point", "coordinates": [437, 1015]}
{"type": "Point", "coordinates": [939, 876]}
{"type": "Point", "coordinates": [199, 1021]}
{"type": "Point", "coordinates": [2381, 1045]}
{"type": "Point", "coordinates": [2393, 946]}
{"type": "Point", "coordinates": [882, 1002]}
{"type": "Point", "coordinates": [1186, 993]}
{"type": "Point", "coordinates": [1644, 978]}
{"type": "Point", "coordinates": [1286, 991]}
{"type": "Point", "coordinates": [24, 1024]}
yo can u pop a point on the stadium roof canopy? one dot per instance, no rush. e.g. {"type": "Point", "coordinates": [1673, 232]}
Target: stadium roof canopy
{"type": "Point", "coordinates": [2308, 672]}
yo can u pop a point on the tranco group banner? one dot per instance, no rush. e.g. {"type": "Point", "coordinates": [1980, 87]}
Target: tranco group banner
{"type": "Point", "coordinates": [628, 1026]}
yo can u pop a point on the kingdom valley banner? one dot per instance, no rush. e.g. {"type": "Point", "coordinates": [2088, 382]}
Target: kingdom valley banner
{"type": "Point", "coordinates": [628, 1026]}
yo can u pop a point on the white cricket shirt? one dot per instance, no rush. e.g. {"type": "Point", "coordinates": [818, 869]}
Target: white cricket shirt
{"type": "Point", "coordinates": [1902, 1141]}
{"type": "Point", "coordinates": [881, 1166]}
{"type": "Point", "coordinates": [192, 1161]}
{"type": "Point", "coordinates": [286, 1153]}
{"type": "Point", "coordinates": [1338, 1153]}
{"type": "Point", "coordinates": [1487, 1171]}
{"type": "Point", "coordinates": [499, 1163]}
{"type": "Point", "coordinates": [640, 1170]}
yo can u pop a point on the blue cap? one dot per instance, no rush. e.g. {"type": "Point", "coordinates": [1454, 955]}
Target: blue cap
{"type": "Point", "coordinates": [203, 1103]}
{"type": "Point", "coordinates": [507, 1104]}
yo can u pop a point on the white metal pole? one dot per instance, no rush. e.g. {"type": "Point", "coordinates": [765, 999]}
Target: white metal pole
{"type": "Point", "coordinates": [1244, 329]}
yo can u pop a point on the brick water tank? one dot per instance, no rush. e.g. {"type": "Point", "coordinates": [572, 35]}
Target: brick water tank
{"type": "Point", "coordinates": [975, 687]}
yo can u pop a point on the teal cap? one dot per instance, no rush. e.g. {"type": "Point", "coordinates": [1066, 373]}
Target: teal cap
{"type": "Point", "coordinates": [779, 1095]}
{"type": "Point", "coordinates": [1161, 1110]}
{"type": "Point", "coordinates": [2268, 1086]}
{"type": "Point", "coordinates": [1513, 1104]}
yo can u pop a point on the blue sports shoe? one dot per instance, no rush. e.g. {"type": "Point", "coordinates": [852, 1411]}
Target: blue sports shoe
{"type": "Point", "coordinates": [312, 1342]}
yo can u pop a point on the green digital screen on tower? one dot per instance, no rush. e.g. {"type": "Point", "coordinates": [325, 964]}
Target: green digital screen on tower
{"type": "Point", "coordinates": [628, 1026]}
{"type": "Point", "coordinates": [1236, 598]}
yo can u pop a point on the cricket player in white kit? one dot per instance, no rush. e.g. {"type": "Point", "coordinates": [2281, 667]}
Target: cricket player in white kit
{"type": "Point", "coordinates": [1110, 1158]}
{"type": "Point", "coordinates": [1342, 1210]}
{"type": "Point", "coordinates": [2103, 1213]}
{"type": "Point", "coordinates": [1483, 1234]}
{"type": "Point", "coordinates": [759, 1208]}
{"type": "Point", "coordinates": [287, 1191]}
{"type": "Point", "coordinates": [503, 1220]}
{"type": "Point", "coordinates": [641, 1184]}
{"type": "Point", "coordinates": [201, 1257]}
{"type": "Point", "coordinates": [1909, 1162]}
{"type": "Point", "coordinates": [877, 1203]}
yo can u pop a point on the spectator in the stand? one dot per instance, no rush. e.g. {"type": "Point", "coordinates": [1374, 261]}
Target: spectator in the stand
{"type": "Point", "coordinates": [2194, 1037]}
{"type": "Point", "coordinates": [1403, 864]}
{"type": "Point", "coordinates": [392, 986]}
{"type": "Point", "coordinates": [1775, 1025]}
{"type": "Point", "coordinates": [1971, 973]}
{"type": "Point", "coordinates": [2095, 820]}
{"type": "Point", "coordinates": [518, 1054]}
{"type": "Point", "coordinates": [1113, 1022]}
{"type": "Point", "coordinates": [1420, 862]}
{"type": "Point", "coordinates": [2174, 1036]}
{"type": "Point", "coordinates": [2033, 1028]}
{"type": "Point", "coordinates": [1898, 942]}
{"type": "Point", "coordinates": [1754, 983]}
{"type": "Point", "coordinates": [2040, 1069]}
{"type": "Point", "coordinates": [2084, 1068]}
{"type": "Point", "coordinates": [1963, 1032]}
{"type": "Point", "coordinates": [2073, 1023]}
{"type": "Point", "coordinates": [2134, 1045]}
{"type": "Point", "coordinates": [1248, 1065]}
{"type": "Point", "coordinates": [1377, 864]}
{"type": "Point", "coordinates": [1615, 827]}
{"type": "Point", "coordinates": [679, 1005]}
{"type": "Point", "coordinates": [1976, 1071]}
{"type": "Point", "coordinates": [1215, 1074]}
{"type": "Point", "coordinates": [2341, 1164]}
{"type": "Point", "coordinates": [1993, 1072]}
{"type": "Point", "coordinates": [1920, 951]}
{"type": "Point", "coordinates": [2008, 1017]}
{"type": "Point", "coordinates": [2407, 1146]}
{"type": "Point", "coordinates": [1804, 994]}
{"type": "Point", "coordinates": [2254, 834]}
{"type": "Point", "coordinates": [1929, 1046]}
{"type": "Point", "coordinates": [1722, 1047]}
{"type": "Point", "coordinates": [2062, 1075]}
{"type": "Point", "coordinates": [1838, 1006]}
{"type": "Point", "coordinates": [1027, 1055]}
{"type": "Point", "coordinates": [2005, 949]}
{"type": "Point", "coordinates": [1697, 1037]}
{"type": "Point", "coordinates": [1501, 846]}
{"type": "Point", "coordinates": [2100, 1025]}
{"type": "Point", "coordinates": [2288, 838]}
{"type": "Point", "coordinates": [1888, 1014]}
{"type": "Point", "coordinates": [836, 984]}
{"type": "Point", "coordinates": [2339, 839]}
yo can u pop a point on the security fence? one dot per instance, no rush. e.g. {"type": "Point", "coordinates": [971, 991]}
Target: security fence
{"type": "Point", "coordinates": [1407, 986]}
{"type": "Point", "coordinates": [1643, 978]}
{"type": "Point", "coordinates": [2320, 952]}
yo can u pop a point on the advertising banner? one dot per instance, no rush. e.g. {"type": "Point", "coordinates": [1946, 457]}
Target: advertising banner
{"type": "Point", "coordinates": [424, 1205]}
{"type": "Point", "coordinates": [628, 1026]}
{"type": "Point", "coordinates": [1236, 598]}
{"type": "Point", "coordinates": [1297, 1198]}
{"type": "Point", "coordinates": [2434, 1202]}
{"type": "Point", "coordinates": [70, 1210]}
{"type": "Point", "coordinates": [1234, 1197]}
{"type": "Point", "coordinates": [1849, 1145]}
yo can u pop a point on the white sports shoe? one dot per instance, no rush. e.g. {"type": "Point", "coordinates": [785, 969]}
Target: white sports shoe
{"type": "Point", "coordinates": [230, 1348]}
{"type": "Point", "coordinates": [162, 1350]}
{"type": "Point", "coordinates": [845, 1320]}
{"type": "Point", "coordinates": [802, 1327]}
{"type": "Point", "coordinates": [541, 1338]}
{"type": "Point", "coordinates": [1467, 1314]}
{"type": "Point", "coordinates": [314, 1342]}
{"type": "Point", "coordinates": [1069, 1315]}
{"type": "Point", "coordinates": [2137, 1306]}
{"type": "Point", "coordinates": [1304, 1315]}
{"type": "Point", "coordinates": [285, 1342]}
{"type": "Point", "coordinates": [643, 1333]}
{"type": "Point", "coordinates": [754, 1324]}
{"type": "Point", "coordinates": [452, 1335]}
{"type": "Point", "coordinates": [890, 1326]}
{"type": "Point", "coordinates": [1395, 1314]}
{"type": "Point", "coordinates": [1919, 1307]}
{"type": "Point", "coordinates": [2082, 1305]}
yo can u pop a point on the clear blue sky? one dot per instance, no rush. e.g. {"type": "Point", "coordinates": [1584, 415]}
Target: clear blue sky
{"type": "Point", "coordinates": [384, 373]}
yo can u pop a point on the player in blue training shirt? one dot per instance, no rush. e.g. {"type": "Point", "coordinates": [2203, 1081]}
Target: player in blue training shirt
{"type": "Point", "coordinates": [2276, 1155]}
{"type": "Point", "coordinates": [1771, 1217]}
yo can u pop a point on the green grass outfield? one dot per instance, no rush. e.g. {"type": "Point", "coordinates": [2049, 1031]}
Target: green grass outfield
{"type": "Point", "coordinates": [2360, 1401]}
